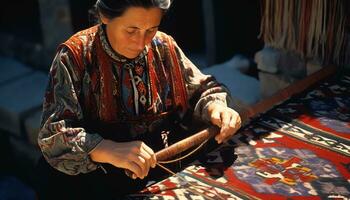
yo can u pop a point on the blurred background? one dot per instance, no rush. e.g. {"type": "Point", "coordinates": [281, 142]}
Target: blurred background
{"type": "Point", "coordinates": [228, 39]}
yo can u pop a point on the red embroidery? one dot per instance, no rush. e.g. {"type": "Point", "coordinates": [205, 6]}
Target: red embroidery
{"type": "Point", "coordinates": [141, 88]}
{"type": "Point", "coordinates": [139, 70]}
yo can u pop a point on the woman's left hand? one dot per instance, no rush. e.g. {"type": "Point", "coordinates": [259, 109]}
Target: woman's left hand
{"type": "Point", "coordinates": [226, 118]}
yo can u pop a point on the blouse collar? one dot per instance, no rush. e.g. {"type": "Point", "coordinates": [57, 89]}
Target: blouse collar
{"type": "Point", "coordinates": [113, 54]}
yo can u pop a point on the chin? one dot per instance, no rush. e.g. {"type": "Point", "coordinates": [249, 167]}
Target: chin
{"type": "Point", "coordinates": [132, 55]}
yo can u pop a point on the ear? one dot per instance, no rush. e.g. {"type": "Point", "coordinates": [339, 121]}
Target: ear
{"type": "Point", "coordinates": [104, 19]}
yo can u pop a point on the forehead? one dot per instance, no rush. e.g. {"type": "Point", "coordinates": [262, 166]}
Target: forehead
{"type": "Point", "coordinates": [140, 17]}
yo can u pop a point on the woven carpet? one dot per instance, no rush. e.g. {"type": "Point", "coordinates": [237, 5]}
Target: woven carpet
{"type": "Point", "coordinates": [299, 149]}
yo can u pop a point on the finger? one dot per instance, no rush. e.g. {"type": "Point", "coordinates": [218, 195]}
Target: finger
{"type": "Point", "coordinates": [225, 121]}
{"type": "Point", "coordinates": [236, 122]}
{"type": "Point", "coordinates": [144, 164]}
{"type": "Point", "coordinates": [153, 159]}
{"type": "Point", "coordinates": [147, 158]}
{"type": "Point", "coordinates": [229, 133]}
{"type": "Point", "coordinates": [234, 125]}
{"type": "Point", "coordinates": [135, 169]}
{"type": "Point", "coordinates": [141, 163]}
{"type": "Point", "coordinates": [215, 118]}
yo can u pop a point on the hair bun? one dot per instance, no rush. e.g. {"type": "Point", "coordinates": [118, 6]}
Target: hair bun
{"type": "Point", "coordinates": [163, 4]}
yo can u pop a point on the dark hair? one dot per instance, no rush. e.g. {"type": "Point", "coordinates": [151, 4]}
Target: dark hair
{"type": "Point", "coordinates": [116, 8]}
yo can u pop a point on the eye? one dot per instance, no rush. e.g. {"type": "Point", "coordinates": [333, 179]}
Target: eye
{"type": "Point", "coordinates": [152, 30]}
{"type": "Point", "coordinates": [130, 31]}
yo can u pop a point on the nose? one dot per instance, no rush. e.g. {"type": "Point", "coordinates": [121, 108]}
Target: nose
{"type": "Point", "coordinates": [141, 42]}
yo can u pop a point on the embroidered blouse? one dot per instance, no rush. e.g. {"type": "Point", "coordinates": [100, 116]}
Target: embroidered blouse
{"type": "Point", "coordinates": [63, 139]}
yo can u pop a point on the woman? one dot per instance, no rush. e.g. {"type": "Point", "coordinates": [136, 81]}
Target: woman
{"type": "Point", "coordinates": [113, 88]}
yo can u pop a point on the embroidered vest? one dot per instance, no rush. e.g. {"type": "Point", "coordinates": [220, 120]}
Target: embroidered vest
{"type": "Point", "coordinates": [93, 66]}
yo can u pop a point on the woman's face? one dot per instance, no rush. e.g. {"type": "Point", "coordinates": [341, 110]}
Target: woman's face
{"type": "Point", "coordinates": [131, 32]}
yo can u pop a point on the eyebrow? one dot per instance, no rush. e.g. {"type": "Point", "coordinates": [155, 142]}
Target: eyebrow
{"type": "Point", "coordinates": [134, 27]}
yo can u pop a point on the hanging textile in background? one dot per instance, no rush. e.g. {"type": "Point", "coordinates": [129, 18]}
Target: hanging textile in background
{"type": "Point", "coordinates": [314, 29]}
{"type": "Point", "coordinates": [299, 149]}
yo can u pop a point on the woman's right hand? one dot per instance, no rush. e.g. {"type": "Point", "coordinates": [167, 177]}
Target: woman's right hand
{"type": "Point", "coordinates": [135, 156]}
